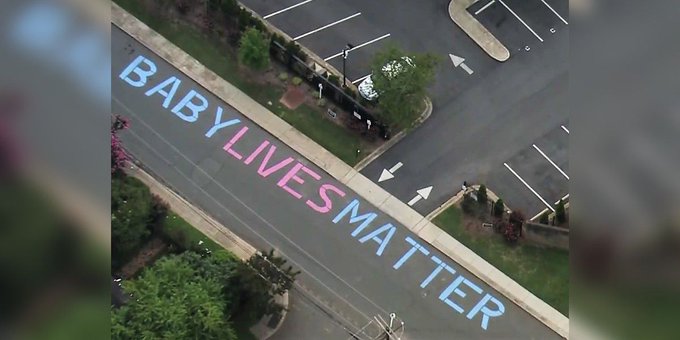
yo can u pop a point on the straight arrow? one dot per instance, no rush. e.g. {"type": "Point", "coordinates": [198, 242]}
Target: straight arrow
{"type": "Point", "coordinates": [389, 174]}
{"type": "Point", "coordinates": [423, 193]}
{"type": "Point", "coordinates": [460, 62]}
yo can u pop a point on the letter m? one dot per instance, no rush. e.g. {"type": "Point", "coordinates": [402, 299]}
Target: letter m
{"type": "Point", "coordinates": [353, 207]}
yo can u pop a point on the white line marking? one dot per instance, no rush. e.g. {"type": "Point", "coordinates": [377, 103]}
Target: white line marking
{"type": "Point", "coordinates": [300, 249]}
{"type": "Point", "coordinates": [358, 47]}
{"type": "Point", "coordinates": [564, 128]}
{"type": "Point", "coordinates": [286, 9]}
{"type": "Point", "coordinates": [362, 78]}
{"type": "Point", "coordinates": [558, 15]}
{"type": "Point", "coordinates": [527, 185]}
{"type": "Point", "coordinates": [485, 7]}
{"type": "Point", "coordinates": [520, 20]}
{"type": "Point", "coordinates": [563, 198]}
{"type": "Point", "coordinates": [467, 69]}
{"type": "Point", "coordinates": [550, 160]}
{"type": "Point", "coordinates": [327, 26]}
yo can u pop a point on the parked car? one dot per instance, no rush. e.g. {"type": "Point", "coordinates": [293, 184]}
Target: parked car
{"type": "Point", "coordinates": [390, 70]}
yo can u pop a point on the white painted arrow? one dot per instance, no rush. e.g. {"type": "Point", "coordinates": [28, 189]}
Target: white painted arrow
{"type": "Point", "coordinates": [389, 174]}
{"type": "Point", "coordinates": [423, 193]}
{"type": "Point", "coordinates": [458, 61]}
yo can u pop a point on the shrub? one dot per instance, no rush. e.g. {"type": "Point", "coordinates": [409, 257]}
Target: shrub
{"type": "Point", "coordinates": [229, 8]}
{"type": "Point", "coordinates": [294, 49]}
{"type": "Point", "coordinates": [296, 81]}
{"type": "Point", "coordinates": [348, 90]}
{"type": "Point", "coordinates": [321, 102]}
{"type": "Point", "coordinates": [254, 49]}
{"type": "Point", "coordinates": [498, 208]}
{"type": "Point", "coordinates": [335, 80]}
{"type": "Point", "coordinates": [482, 198]}
{"type": "Point", "coordinates": [468, 204]}
{"type": "Point", "coordinates": [283, 76]}
{"type": "Point", "coordinates": [545, 218]}
{"type": "Point", "coordinates": [560, 213]}
{"type": "Point", "coordinates": [510, 233]}
{"type": "Point", "coordinates": [182, 6]}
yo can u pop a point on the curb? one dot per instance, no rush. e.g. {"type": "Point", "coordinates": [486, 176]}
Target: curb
{"type": "Point", "coordinates": [476, 31]}
{"type": "Point", "coordinates": [216, 232]}
{"type": "Point", "coordinates": [399, 136]}
{"type": "Point", "coordinates": [368, 190]}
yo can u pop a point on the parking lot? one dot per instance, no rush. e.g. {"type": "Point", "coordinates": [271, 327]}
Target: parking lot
{"type": "Point", "coordinates": [537, 177]}
{"type": "Point", "coordinates": [326, 28]}
{"type": "Point", "coordinates": [522, 24]}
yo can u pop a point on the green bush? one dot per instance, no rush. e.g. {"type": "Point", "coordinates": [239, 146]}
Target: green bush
{"type": "Point", "coordinates": [498, 208]}
{"type": "Point", "coordinates": [321, 102]}
{"type": "Point", "coordinates": [469, 204]}
{"type": "Point", "coordinates": [482, 197]}
{"type": "Point", "coordinates": [334, 79]}
{"type": "Point", "coordinates": [131, 216]}
{"type": "Point", "coordinates": [283, 76]}
{"type": "Point", "coordinates": [296, 81]}
{"type": "Point", "coordinates": [230, 8]}
{"type": "Point", "coordinates": [254, 49]}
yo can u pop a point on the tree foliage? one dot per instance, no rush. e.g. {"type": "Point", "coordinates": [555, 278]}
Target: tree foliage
{"type": "Point", "coordinates": [401, 93]}
{"type": "Point", "coordinates": [131, 208]}
{"type": "Point", "coordinates": [254, 49]}
{"type": "Point", "coordinates": [179, 297]}
{"type": "Point", "coordinates": [482, 197]}
{"type": "Point", "coordinates": [560, 213]}
{"type": "Point", "coordinates": [498, 208]}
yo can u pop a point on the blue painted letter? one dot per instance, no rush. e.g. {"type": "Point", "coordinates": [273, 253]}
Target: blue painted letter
{"type": "Point", "coordinates": [160, 90]}
{"type": "Point", "coordinates": [440, 265]}
{"type": "Point", "coordinates": [488, 313]}
{"type": "Point", "coordinates": [143, 74]}
{"type": "Point", "coordinates": [410, 252]}
{"type": "Point", "coordinates": [453, 288]}
{"type": "Point", "coordinates": [219, 124]}
{"type": "Point", "coordinates": [389, 228]}
{"type": "Point", "coordinates": [354, 207]}
{"type": "Point", "coordinates": [195, 108]}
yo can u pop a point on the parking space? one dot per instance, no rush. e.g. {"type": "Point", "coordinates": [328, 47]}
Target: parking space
{"type": "Point", "coordinates": [522, 24]}
{"type": "Point", "coordinates": [537, 177]}
{"type": "Point", "coordinates": [327, 27]}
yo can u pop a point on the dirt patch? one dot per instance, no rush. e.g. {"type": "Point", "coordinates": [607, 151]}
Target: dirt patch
{"type": "Point", "coordinates": [148, 254]}
{"type": "Point", "coordinates": [293, 97]}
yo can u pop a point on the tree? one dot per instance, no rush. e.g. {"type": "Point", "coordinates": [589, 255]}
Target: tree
{"type": "Point", "coordinates": [560, 213]}
{"type": "Point", "coordinates": [118, 154]}
{"type": "Point", "coordinates": [468, 204]}
{"type": "Point", "coordinates": [481, 195]}
{"type": "Point", "coordinates": [174, 300]}
{"type": "Point", "coordinates": [259, 279]}
{"type": "Point", "coordinates": [509, 232]}
{"type": "Point", "coordinates": [131, 208]}
{"type": "Point", "coordinates": [498, 208]}
{"type": "Point", "coordinates": [401, 92]}
{"type": "Point", "coordinates": [254, 49]}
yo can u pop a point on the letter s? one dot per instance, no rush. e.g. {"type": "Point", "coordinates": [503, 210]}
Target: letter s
{"type": "Point", "coordinates": [324, 196]}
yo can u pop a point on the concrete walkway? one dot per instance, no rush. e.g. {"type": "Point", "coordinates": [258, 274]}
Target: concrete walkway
{"type": "Point", "coordinates": [477, 32]}
{"type": "Point", "coordinates": [216, 232]}
{"type": "Point", "coordinates": [342, 172]}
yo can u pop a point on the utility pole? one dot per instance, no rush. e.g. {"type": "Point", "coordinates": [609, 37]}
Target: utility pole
{"type": "Point", "coordinates": [345, 53]}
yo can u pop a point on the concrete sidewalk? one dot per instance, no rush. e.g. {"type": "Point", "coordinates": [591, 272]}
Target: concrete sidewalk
{"type": "Point", "coordinates": [342, 172]}
{"type": "Point", "coordinates": [477, 32]}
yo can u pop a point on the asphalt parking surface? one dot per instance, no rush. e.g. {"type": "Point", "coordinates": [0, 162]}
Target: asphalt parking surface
{"type": "Point", "coordinates": [462, 102]}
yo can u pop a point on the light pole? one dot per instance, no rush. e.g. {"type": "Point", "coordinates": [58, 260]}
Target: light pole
{"type": "Point", "coordinates": [345, 52]}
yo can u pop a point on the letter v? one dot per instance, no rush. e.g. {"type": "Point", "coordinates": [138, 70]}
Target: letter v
{"type": "Point", "coordinates": [273, 168]}
{"type": "Point", "coordinates": [218, 125]}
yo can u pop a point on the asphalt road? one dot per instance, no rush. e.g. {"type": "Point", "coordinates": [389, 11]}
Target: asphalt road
{"type": "Point", "coordinates": [340, 273]}
{"type": "Point", "coordinates": [481, 121]}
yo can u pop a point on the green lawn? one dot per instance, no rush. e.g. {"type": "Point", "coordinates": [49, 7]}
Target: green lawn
{"type": "Point", "coordinates": [543, 271]}
{"type": "Point", "coordinates": [185, 234]}
{"type": "Point", "coordinates": [214, 55]}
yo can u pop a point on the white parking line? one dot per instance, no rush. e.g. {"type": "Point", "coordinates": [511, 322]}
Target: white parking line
{"type": "Point", "coordinates": [360, 79]}
{"type": "Point", "coordinates": [550, 160]}
{"type": "Point", "coordinates": [358, 46]}
{"type": "Point", "coordinates": [528, 186]}
{"type": "Point", "coordinates": [565, 129]}
{"type": "Point", "coordinates": [546, 209]}
{"type": "Point", "coordinates": [485, 7]}
{"type": "Point", "coordinates": [286, 9]}
{"type": "Point", "coordinates": [327, 26]}
{"type": "Point", "coordinates": [520, 20]}
{"type": "Point", "coordinates": [558, 15]}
